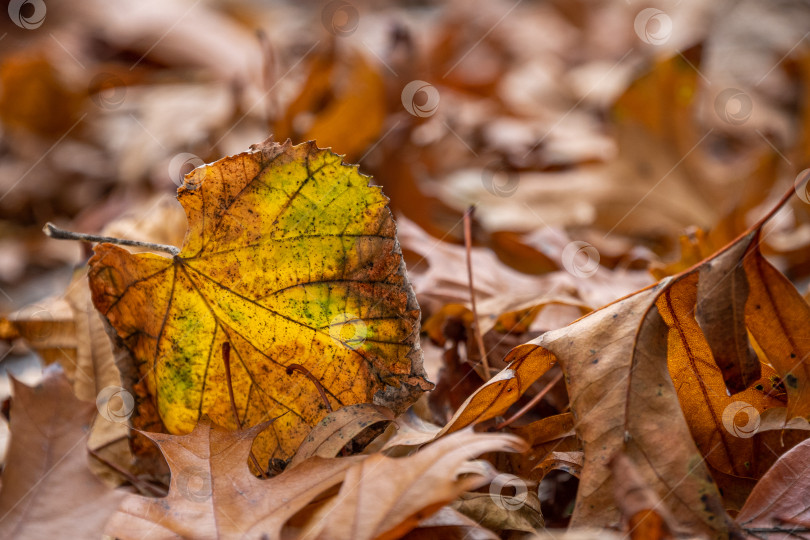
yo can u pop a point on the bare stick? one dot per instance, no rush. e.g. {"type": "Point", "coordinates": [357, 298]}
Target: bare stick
{"type": "Point", "coordinates": [793, 531]}
{"type": "Point", "coordinates": [534, 401]}
{"type": "Point", "coordinates": [60, 234]}
{"type": "Point", "coordinates": [476, 327]}
{"type": "Point", "coordinates": [131, 478]}
{"type": "Point", "coordinates": [301, 369]}
{"type": "Point", "coordinates": [226, 359]}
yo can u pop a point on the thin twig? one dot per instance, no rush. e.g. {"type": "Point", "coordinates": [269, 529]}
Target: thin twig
{"type": "Point", "coordinates": [301, 369]}
{"type": "Point", "coordinates": [793, 521]}
{"type": "Point", "coordinates": [534, 401]}
{"type": "Point", "coordinates": [476, 327]}
{"type": "Point", "coordinates": [60, 234]}
{"type": "Point", "coordinates": [131, 478]}
{"type": "Point", "coordinates": [793, 531]}
{"type": "Point", "coordinates": [226, 359]}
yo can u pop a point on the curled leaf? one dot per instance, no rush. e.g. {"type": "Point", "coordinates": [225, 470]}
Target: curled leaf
{"type": "Point", "coordinates": [338, 428]}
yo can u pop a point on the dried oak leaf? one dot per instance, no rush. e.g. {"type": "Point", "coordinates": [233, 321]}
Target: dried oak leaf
{"type": "Point", "coordinates": [291, 257]}
{"type": "Point", "coordinates": [213, 494]}
{"type": "Point", "coordinates": [502, 512]}
{"type": "Point", "coordinates": [48, 490]}
{"type": "Point", "coordinates": [384, 497]}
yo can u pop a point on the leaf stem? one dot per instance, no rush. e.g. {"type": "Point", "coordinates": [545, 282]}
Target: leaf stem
{"type": "Point", "coordinates": [479, 339]}
{"type": "Point", "coordinates": [61, 234]}
{"type": "Point", "coordinates": [226, 359]}
{"type": "Point", "coordinates": [301, 369]}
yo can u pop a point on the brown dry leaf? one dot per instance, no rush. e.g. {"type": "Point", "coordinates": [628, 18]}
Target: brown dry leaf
{"type": "Point", "coordinates": [621, 395]}
{"type": "Point", "coordinates": [70, 331]}
{"type": "Point", "coordinates": [641, 508]}
{"type": "Point", "coordinates": [501, 512]}
{"type": "Point", "coordinates": [411, 430]}
{"type": "Point", "coordinates": [585, 533]}
{"type": "Point", "coordinates": [440, 278]}
{"type": "Point", "coordinates": [720, 312]}
{"type": "Point", "coordinates": [702, 391]}
{"type": "Point", "coordinates": [783, 493]}
{"type": "Point", "coordinates": [180, 37]}
{"type": "Point", "coordinates": [95, 367]}
{"type": "Point", "coordinates": [615, 360]}
{"type": "Point", "coordinates": [514, 316]}
{"type": "Point", "coordinates": [570, 462]}
{"type": "Point", "coordinates": [518, 319]}
{"type": "Point", "coordinates": [34, 98]}
{"type": "Point", "coordinates": [551, 435]}
{"type": "Point", "coordinates": [777, 315]}
{"type": "Point", "coordinates": [213, 493]}
{"type": "Point", "coordinates": [695, 246]}
{"type": "Point", "coordinates": [48, 490]}
{"type": "Point", "coordinates": [96, 374]}
{"type": "Point", "coordinates": [616, 365]}
{"type": "Point", "coordinates": [48, 328]}
{"type": "Point", "coordinates": [338, 428]}
{"type": "Point", "coordinates": [354, 119]}
{"type": "Point", "coordinates": [527, 363]}
{"type": "Point", "coordinates": [400, 172]}
{"type": "Point", "coordinates": [385, 497]}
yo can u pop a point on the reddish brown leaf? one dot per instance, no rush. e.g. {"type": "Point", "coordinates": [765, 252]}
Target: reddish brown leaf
{"type": "Point", "coordinates": [48, 490]}
{"type": "Point", "coordinates": [783, 493]}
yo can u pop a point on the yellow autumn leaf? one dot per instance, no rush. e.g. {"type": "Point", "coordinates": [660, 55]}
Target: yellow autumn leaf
{"type": "Point", "coordinates": [291, 258]}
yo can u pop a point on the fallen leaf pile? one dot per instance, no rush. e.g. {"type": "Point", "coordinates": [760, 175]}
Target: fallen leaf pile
{"type": "Point", "coordinates": [495, 270]}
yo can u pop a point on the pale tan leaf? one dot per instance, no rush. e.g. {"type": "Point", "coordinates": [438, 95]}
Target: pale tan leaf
{"type": "Point", "coordinates": [387, 497]}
